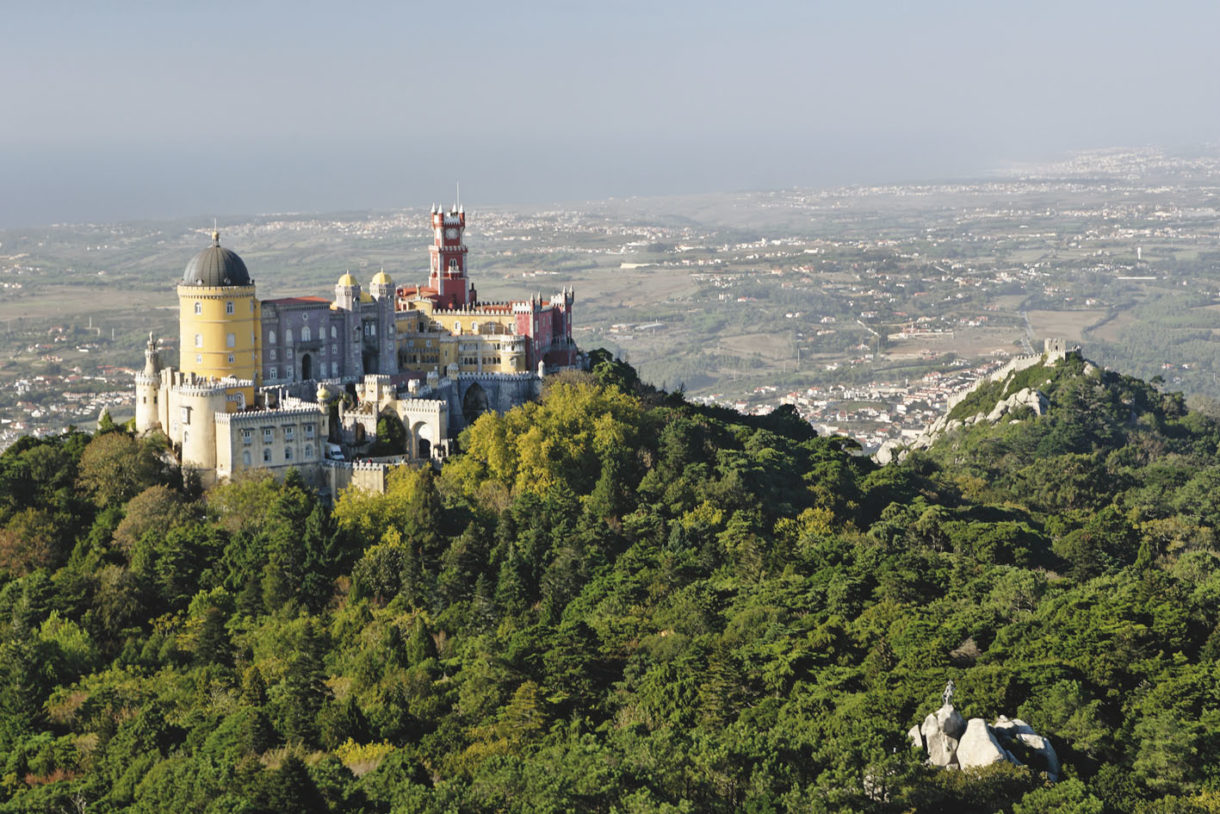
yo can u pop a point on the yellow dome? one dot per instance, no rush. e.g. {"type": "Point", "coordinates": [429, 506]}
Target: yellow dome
{"type": "Point", "coordinates": [348, 280]}
{"type": "Point", "coordinates": [381, 278]}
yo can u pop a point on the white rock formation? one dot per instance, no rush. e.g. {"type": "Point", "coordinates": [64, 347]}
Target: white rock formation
{"type": "Point", "coordinates": [941, 746]}
{"type": "Point", "coordinates": [980, 747]}
{"type": "Point", "coordinates": [955, 743]}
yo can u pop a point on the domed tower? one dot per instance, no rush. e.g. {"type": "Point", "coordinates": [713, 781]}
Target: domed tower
{"type": "Point", "coordinates": [383, 291]}
{"type": "Point", "coordinates": [148, 385]}
{"type": "Point", "coordinates": [219, 317]}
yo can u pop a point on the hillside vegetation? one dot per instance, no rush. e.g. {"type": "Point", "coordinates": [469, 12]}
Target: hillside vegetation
{"type": "Point", "coordinates": [614, 600]}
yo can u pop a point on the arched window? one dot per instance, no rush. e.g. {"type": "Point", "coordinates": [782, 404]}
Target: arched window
{"type": "Point", "coordinates": [334, 333]}
{"type": "Point", "coordinates": [288, 335]}
{"type": "Point", "coordinates": [245, 458]}
{"type": "Point", "coordinates": [198, 307]}
{"type": "Point", "coordinates": [228, 307]}
{"type": "Point", "coordinates": [271, 337]}
{"type": "Point", "coordinates": [305, 334]}
{"type": "Point", "coordinates": [266, 455]}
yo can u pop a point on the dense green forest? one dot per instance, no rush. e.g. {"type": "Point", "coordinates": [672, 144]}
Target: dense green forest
{"type": "Point", "coordinates": [616, 601]}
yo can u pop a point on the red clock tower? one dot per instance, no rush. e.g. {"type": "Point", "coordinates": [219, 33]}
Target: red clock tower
{"type": "Point", "coordinates": [448, 276]}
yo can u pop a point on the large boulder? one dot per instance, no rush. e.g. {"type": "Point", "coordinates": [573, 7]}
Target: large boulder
{"type": "Point", "coordinates": [951, 721]}
{"type": "Point", "coordinates": [941, 746]}
{"type": "Point", "coordinates": [1044, 752]}
{"type": "Point", "coordinates": [915, 736]}
{"type": "Point", "coordinates": [979, 746]}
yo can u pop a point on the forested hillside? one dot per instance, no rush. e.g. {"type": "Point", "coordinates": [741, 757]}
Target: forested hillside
{"type": "Point", "coordinates": [614, 600]}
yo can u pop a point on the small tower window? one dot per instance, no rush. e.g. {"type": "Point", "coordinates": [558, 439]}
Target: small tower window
{"type": "Point", "coordinates": [230, 358]}
{"type": "Point", "coordinates": [229, 307]}
{"type": "Point", "coordinates": [231, 340]}
{"type": "Point", "coordinates": [199, 340]}
{"type": "Point", "coordinates": [198, 307]}
{"type": "Point", "coordinates": [199, 358]}
{"type": "Point", "coordinates": [457, 327]}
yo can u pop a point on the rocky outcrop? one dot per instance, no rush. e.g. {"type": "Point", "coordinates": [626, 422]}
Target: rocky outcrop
{"type": "Point", "coordinates": [1036, 400]}
{"type": "Point", "coordinates": [980, 747]}
{"type": "Point", "coordinates": [951, 741]}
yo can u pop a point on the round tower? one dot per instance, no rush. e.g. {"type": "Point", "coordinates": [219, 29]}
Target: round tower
{"type": "Point", "coordinates": [148, 386]}
{"type": "Point", "coordinates": [219, 317]}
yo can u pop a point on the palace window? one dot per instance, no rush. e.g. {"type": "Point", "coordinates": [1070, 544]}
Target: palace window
{"type": "Point", "coordinates": [334, 334]}
{"type": "Point", "coordinates": [267, 455]}
{"type": "Point", "coordinates": [198, 308]}
{"type": "Point", "coordinates": [185, 415]}
{"type": "Point", "coordinates": [457, 327]}
{"type": "Point", "coordinates": [287, 453]}
{"type": "Point", "coordinates": [334, 368]}
{"type": "Point", "coordinates": [289, 433]}
{"type": "Point", "coordinates": [308, 450]}
{"type": "Point", "coordinates": [247, 437]}
{"type": "Point", "coordinates": [309, 431]}
{"type": "Point", "coordinates": [228, 307]}
{"type": "Point", "coordinates": [288, 335]}
{"type": "Point", "coordinates": [268, 435]}
{"type": "Point", "coordinates": [271, 337]}
{"type": "Point", "coordinates": [245, 458]}
{"type": "Point", "coordinates": [271, 356]}
{"type": "Point", "coordinates": [230, 340]}
{"type": "Point", "coordinates": [305, 334]}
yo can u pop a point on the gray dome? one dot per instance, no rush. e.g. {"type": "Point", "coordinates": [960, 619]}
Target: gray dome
{"type": "Point", "coordinates": [216, 266]}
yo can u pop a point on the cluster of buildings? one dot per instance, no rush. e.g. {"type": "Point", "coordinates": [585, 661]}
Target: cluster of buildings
{"type": "Point", "coordinates": [303, 381]}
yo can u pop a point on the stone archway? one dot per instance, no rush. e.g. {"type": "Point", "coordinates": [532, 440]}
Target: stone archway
{"type": "Point", "coordinates": [421, 437]}
{"type": "Point", "coordinates": [474, 403]}
{"type": "Point", "coordinates": [306, 367]}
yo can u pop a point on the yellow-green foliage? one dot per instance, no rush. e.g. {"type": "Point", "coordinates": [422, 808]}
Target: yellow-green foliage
{"type": "Point", "coordinates": [562, 438]}
{"type": "Point", "coordinates": [362, 758]}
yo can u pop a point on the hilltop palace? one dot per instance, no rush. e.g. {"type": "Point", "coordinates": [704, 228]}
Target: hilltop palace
{"type": "Point", "coordinates": [302, 381]}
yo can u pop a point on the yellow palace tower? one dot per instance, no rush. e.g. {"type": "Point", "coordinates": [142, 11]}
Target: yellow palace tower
{"type": "Point", "coordinates": [219, 318]}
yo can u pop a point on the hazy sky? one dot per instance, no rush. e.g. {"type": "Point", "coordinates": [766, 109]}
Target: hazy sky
{"type": "Point", "coordinates": [122, 110]}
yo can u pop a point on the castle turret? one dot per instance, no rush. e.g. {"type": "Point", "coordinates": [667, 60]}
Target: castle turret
{"type": "Point", "coordinates": [383, 292]}
{"type": "Point", "coordinates": [148, 382]}
{"type": "Point", "coordinates": [448, 275]}
{"type": "Point", "coordinates": [219, 318]}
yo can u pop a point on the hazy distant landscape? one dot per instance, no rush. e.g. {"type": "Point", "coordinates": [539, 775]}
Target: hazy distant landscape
{"type": "Point", "coordinates": [861, 304]}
